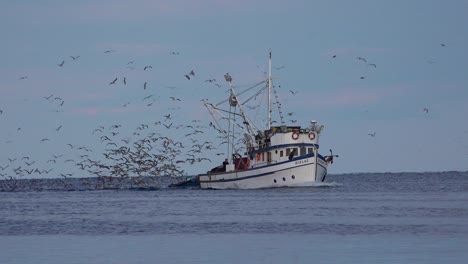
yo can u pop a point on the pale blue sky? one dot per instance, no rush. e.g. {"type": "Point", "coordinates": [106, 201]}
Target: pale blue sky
{"type": "Point", "coordinates": [402, 38]}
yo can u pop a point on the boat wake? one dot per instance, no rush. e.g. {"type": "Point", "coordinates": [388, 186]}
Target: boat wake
{"type": "Point", "coordinates": [325, 184]}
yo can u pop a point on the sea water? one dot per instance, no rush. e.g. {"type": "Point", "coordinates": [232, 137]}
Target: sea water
{"type": "Point", "coordinates": [353, 218]}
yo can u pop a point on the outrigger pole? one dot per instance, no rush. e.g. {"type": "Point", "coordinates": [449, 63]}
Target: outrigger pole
{"type": "Point", "coordinates": [269, 92]}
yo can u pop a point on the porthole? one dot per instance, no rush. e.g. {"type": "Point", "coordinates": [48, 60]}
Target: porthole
{"type": "Point", "coordinates": [293, 177]}
{"type": "Point", "coordinates": [274, 180]}
{"type": "Point", "coordinates": [284, 179]}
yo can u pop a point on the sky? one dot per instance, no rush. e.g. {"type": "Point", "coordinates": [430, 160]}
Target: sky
{"type": "Point", "coordinates": [358, 67]}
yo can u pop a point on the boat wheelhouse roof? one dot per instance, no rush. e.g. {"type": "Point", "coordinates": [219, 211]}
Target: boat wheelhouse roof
{"type": "Point", "coordinates": [286, 129]}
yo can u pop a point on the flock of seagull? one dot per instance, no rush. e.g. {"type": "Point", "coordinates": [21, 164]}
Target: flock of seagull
{"type": "Point", "coordinates": [162, 147]}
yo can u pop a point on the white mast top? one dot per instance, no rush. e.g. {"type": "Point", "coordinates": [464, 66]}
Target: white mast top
{"type": "Point", "coordinates": [269, 92]}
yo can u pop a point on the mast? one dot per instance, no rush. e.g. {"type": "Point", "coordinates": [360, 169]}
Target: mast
{"type": "Point", "coordinates": [269, 92]}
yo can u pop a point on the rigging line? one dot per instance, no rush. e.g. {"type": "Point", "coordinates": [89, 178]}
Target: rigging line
{"type": "Point", "coordinates": [248, 89]}
{"type": "Point", "coordinates": [257, 112]}
{"type": "Point", "coordinates": [218, 111]}
{"type": "Point", "coordinates": [255, 95]}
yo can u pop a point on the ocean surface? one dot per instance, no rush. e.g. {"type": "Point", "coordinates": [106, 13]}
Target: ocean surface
{"type": "Point", "coordinates": [352, 218]}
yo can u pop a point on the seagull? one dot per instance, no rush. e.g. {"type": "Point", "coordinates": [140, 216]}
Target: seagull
{"type": "Point", "coordinates": [146, 67]}
{"type": "Point", "coordinates": [61, 64]}
{"type": "Point", "coordinates": [362, 77]}
{"type": "Point", "coordinates": [174, 53]}
{"type": "Point", "coordinates": [426, 110]}
{"type": "Point", "coordinates": [108, 51]}
{"type": "Point", "coordinates": [372, 135]}
{"type": "Point", "coordinates": [113, 82]}
{"type": "Point", "coordinates": [293, 92]}
{"type": "Point", "coordinates": [144, 85]}
{"type": "Point", "coordinates": [186, 76]}
{"type": "Point", "coordinates": [192, 73]}
{"type": "Point", "coordinates": [372, 64]}
{"type": "Point", "coordinates": [23, 77]}
{"type": "Point", "coordinates": [334, 56]}
{"type": "Point", "coordinates": [125, 81]}
{"type": "Point", "coordinates": [442, 44]}
{"type": "Point", "coordinates": [44, 139]}
{"type": "Point", "coordinates": [75, 58]}
{"type": "Point", "coordinates": [227, 77]}
{"type": "Point", "coordinates": [361, 58]}
{"type": "Point", "coordinates": [58, 128]}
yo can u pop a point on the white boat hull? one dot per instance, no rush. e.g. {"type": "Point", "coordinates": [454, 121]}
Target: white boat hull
{"type": "Point", "coordinates": [301, 171]}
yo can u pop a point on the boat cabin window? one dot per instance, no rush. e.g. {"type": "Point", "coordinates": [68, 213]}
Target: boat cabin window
{"type": "Point", "coordinates": [295, 151]}
{"type": "Point", "coordinates": [263, 156]}
{"type": "Point", "coordinates": [288, 151]}
{"type": "Point", "coordinates": [310, 150]}
{"type": "Point", "coordinates": [303, 150]}
{"type": "Point", "coordinates": [281, 153]}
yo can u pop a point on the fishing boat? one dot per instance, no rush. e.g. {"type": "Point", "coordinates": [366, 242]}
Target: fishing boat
{"type": "Point", "coordinates": [275, 156]}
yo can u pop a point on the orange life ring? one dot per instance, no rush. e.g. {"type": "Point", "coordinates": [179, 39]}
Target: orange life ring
{"type": "Point", "coordinates": [295, 135]}
{"type": "Point", "coordinates": [311, 135]}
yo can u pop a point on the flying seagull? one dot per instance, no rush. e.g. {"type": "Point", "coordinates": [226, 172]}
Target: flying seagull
{"type": "Point", "coordinates": [227, 77]}
{"type": "Point", "coordinates": [361, 58]}
{"type": "Point", "coordinates": [372, 135]}
{"type": "Point", "coordinates": [61, 64]}
{"type": "Point", "coordinates": [146, 67]}
{"type": "Point", "coordinates": [113, 82]}
{"type": "Point", "coordinates": [426, 110]}
{"type": "Point", "coordinates": [75, 57]}
{"type": "Point", "coordinates": [187, 76]}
